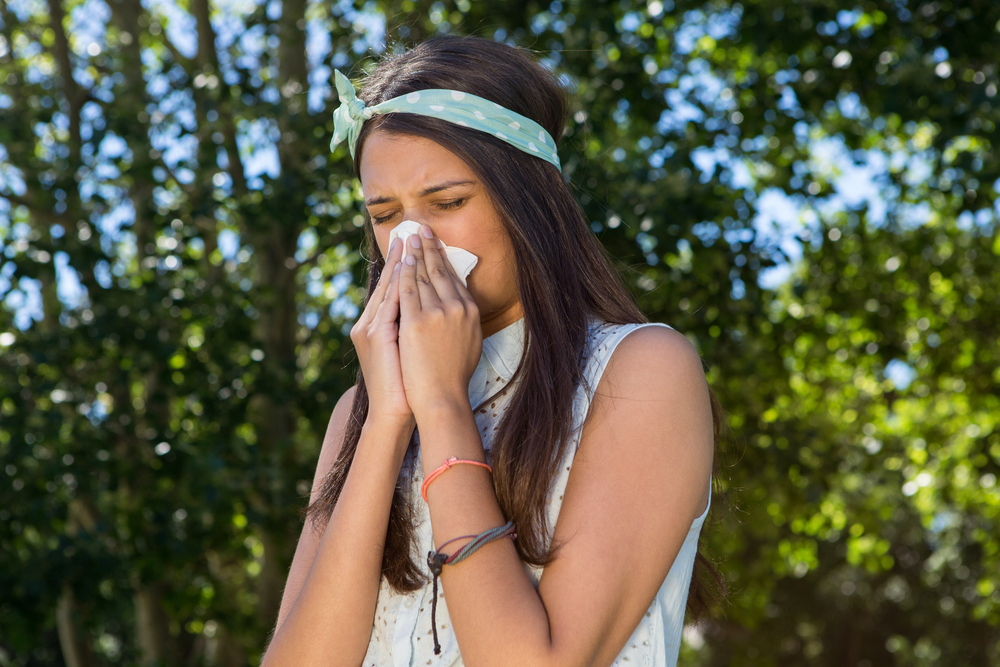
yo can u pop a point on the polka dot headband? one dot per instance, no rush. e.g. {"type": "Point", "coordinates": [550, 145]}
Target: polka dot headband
{"type": "Point", "coordinates": [450, 105]}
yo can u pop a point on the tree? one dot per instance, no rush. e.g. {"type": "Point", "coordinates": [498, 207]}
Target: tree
{"type": "Point", "coordinates": [161, 420]}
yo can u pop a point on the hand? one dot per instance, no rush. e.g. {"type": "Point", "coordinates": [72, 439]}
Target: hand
{"type": "Point", "coordinates": [440, 335]}
{"type": "Point", "coordinates": [375, 336]}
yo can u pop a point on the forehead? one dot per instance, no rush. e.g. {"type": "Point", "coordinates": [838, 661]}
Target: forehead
{"type": "Point", "coordinates": [401, 163]}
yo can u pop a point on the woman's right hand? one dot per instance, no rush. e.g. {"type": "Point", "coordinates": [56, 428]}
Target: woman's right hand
{"type": "Point", "coordinates": [376, 338]}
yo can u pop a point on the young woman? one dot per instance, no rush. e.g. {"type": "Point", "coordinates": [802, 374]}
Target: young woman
{"type": "Point", "coordinates": [566, 531]}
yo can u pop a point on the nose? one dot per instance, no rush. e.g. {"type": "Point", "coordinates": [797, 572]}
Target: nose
{"type": "Point", "coordinates": [419, 219]}
{"type": "Point", "coordinates": [410, 223]}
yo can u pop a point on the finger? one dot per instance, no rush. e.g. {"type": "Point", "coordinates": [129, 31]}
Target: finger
{"type": "Point", "coordinates": [395, 252]}
{"type": "Point", "coordinates": [388, 310]}
{"type": "Point", "coordinates": [428, 295]}
{"type": "Point", "coordinates": [460, 289]}
{"type": "Point", "coordinates": [409, 296]}
{"type": "Point", "coordinates": [436, 263]}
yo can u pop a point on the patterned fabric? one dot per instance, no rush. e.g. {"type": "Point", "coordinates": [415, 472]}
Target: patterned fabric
{"type": "Point", "coordinates": [451, 105]}
{"type": "Point", "coordinates": [401, 633]}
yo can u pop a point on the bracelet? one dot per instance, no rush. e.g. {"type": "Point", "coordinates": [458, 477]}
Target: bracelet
{"type": "Point", "coordinates": [437, 560]}
{"type": "Point", "coordinates": [444, 468]}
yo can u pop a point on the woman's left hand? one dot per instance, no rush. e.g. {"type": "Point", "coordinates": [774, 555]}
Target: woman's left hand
{"type": "Point", "coordinates": [440, 335]}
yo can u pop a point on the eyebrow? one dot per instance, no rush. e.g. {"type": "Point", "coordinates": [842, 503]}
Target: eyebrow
{"type": "Point", "coordinates": [375, 201]}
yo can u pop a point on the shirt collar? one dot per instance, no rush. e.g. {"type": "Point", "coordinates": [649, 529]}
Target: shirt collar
{"type": "Point", "coordinates": [499, 360]}
{"type": "Point", "coordinates": [504, 349]}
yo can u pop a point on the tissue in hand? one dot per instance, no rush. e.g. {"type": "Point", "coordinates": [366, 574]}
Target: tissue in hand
{"type": "Point", "coordinates": [461, 260]}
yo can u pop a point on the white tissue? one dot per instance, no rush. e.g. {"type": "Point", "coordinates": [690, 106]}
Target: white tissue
{"type": "Point", "coordinates": [463, 261]}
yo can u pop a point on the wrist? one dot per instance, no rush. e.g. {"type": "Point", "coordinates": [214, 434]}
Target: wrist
{"type": "Point", "coordinates": [448, 430]}
{"type": "Point", "coordinates": [443, 409]}
{"type": "Point", "coordinates": [389, 428]}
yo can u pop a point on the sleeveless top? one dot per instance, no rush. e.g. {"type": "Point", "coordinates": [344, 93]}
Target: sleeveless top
{"type": "Point", "coordinates": [401, 632]}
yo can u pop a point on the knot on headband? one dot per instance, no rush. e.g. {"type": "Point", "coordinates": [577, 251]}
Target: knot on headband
{"type": "Point", "coordinates": [350, 115]}
{"type": "Point", "coordinates": [453, 106]}
{"type": "Point", "coordinates": [358, 111]}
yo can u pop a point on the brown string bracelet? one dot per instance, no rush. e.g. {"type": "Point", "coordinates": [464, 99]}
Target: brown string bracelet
{"type": "Point", "coordinates": [437, 560]}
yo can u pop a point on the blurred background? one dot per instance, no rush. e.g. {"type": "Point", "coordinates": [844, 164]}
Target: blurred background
{"type": "Point", "coordinates": [808, 190]}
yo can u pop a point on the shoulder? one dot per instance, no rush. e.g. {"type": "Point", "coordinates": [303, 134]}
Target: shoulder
{"type": "Point", "coordinates": [656, 352]}
{"type": "Point", "coordinates": [643, 354]}
{"type": "Point", "coordinates": [334, 438]}
{"type": "Point", "coordinates": [653, 402]}
{"type": "Point", "coordinates": [343, 407]}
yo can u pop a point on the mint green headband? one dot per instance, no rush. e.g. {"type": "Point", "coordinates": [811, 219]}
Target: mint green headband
{"type": "Point", "coordinates": [450, 105]}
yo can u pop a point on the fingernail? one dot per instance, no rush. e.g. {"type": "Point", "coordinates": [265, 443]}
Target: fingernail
{"type": "Point", "coordinates": [426, 231]}
{"type": "Point", "coordinates": [395, 269]}
{"type": "Point", "coordinates": [440, 243]}
{"type": "Point", "coordinates": [393, 245]}
{"type": "Point", "coordinates": [410, 260]}
{"type": "Point", "coordinates": [415, 241]}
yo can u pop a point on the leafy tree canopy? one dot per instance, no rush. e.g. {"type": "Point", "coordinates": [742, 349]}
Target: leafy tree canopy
{"type": "Point", "coordinates": [807, 190]}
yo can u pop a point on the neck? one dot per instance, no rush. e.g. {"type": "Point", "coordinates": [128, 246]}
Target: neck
{"type": "Point", "coordinates": [498, 320]}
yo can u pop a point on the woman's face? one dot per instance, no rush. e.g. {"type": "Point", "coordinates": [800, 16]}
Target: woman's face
{"type": "Point", "coordinates": [412, 178]}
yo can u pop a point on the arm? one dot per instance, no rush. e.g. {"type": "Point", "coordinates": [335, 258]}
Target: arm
{"type": "Point", "coordinates": [309, 539]}
{"type": "Point", "coordinates": [329, 605]}
{"type": "Point", "coordinates": [639, 479]}
{"type": "Point", "coordinates": [329, 601]}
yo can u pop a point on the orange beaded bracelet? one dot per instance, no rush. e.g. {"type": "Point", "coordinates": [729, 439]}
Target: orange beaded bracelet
{"type": "Point", "coordinates": [444, 468]}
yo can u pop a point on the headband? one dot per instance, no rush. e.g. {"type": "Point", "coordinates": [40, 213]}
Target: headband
{"type": "Point", "coordinates": [450, 105]}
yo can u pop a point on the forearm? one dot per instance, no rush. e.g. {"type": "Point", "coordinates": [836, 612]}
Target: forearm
{"type": "Point", "coordinates": [331, 620]}
{"type": "Point", "coordinates": [497, 614]}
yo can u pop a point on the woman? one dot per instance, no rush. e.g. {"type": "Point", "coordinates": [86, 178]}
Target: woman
{"type": "Point", "coordinates": [566, 532]}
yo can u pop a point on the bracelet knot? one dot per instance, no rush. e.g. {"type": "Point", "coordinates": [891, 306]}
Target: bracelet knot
{"type": "Point", "coordinates": [445, 467]}
{"type": "Point", "coordinates": [436, 561]}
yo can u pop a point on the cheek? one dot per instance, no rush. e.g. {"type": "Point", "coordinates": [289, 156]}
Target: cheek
{"type": "Point", "coordinates": [480, 235]}
{"type": "Point", "coordinates": [494, 275]}
{"type": "Point", "coordinates": [496, 256]}
{"type": "Point", "coordinates": [382, 240]}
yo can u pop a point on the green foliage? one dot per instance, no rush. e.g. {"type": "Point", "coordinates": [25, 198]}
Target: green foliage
{"type": "Point", "coordinates": [158, 435]}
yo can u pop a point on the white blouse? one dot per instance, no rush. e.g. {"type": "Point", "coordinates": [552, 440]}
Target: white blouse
{"type": "Point", "coordinates": [401, 633]}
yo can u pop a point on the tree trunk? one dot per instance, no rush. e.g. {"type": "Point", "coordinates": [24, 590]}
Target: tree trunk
{"type": "Point", "coordinates": [223, 650]}
{"type": "Point", "coordinates": [273, 417]}
{"type": "Point", "coordinates": [152, 627]}
{"type": "Point", "coordinates": [270, 582]}
{"type": "Point", "coordinates": [75, 651]}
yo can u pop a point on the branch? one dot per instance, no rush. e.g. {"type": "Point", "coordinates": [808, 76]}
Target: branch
{"type": "Point", "coordinates": [292, 53]}
{"type": "Point", "coordinates": [186, 187]}
{"type": "Point", "coordinates": [178, 57]}
{"type": "Point", "coordinates": [206, 35]}
{"type": "Point", "coordinates": [337, 240]}
{"type": "Point", "coordinates": [208, 57]}
{"type": "Point", "coordinates": [293, 75]}
{"type": "Point", "coordinates": [43, 214]}
{"type": "Point", "coordinates": [74, 94]}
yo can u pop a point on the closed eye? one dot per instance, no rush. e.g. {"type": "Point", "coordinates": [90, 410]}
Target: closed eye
{"type": "Point", "coordinates": [442, 206]}
{"type": "Point", "coordinates": [378, 220]}
{"type": "Point", "coordinates": [455, 203]}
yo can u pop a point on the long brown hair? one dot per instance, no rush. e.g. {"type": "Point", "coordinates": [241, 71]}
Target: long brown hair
{"type": "Point", "coordinates": [563, 275]}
